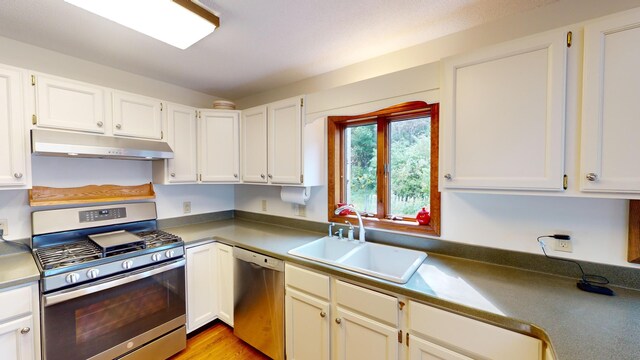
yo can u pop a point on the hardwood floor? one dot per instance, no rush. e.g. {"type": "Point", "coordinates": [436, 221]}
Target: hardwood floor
{"type": "Point", "coordinates": [217, 342]}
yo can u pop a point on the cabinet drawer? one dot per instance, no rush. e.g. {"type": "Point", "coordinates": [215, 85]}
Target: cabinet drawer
{"type": "Point", "coordinates": [472, 337]}
{"type": "Point", "coordinates": [16, 302]}
{"type": "Point", "coordinates": [309, 281]}
{"type": "Point", "coordinates": [372, 303]}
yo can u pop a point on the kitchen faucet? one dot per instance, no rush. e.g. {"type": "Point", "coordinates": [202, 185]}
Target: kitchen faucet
{"type": "Point", "coordinates": [360, 225]}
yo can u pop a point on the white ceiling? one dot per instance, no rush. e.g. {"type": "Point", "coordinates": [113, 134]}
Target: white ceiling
{"type": "Point", "coordinates": [260, 44]}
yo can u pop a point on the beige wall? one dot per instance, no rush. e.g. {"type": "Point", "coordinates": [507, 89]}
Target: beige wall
{"type": "Point", "coordinates": [562, 13]}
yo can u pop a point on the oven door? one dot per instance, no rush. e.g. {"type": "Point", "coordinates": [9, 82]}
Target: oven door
{"type": "Point", "coordinates": [106, 319]}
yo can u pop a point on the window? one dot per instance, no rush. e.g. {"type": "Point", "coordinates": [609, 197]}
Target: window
{"type": "Point", "coordinates": [385, 164]}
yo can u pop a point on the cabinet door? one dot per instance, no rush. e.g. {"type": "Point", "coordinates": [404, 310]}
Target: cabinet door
{"type": "Point", "coordinates": [12, 129]}
{"type": "Point", "coordinates": [307, 326]}
{"type": "Point", "coordinates": [285, 141]}
{"type": "Point", "coordinates": [225, 283]}
{"type": "Point", "coordinates": [219, 146]}
{"type": "Point", "coordinates": [17, 339]}
{"type": "Point", "coordinates": [359, 337]}
{"type": "Point", "coordinates": [70, 105]}
{"type": "Point", "coordinates": [420, 349]}
{"type": "Point", "coordinates": [181, 134]}
{"type": "Point", "coordinates": [254, 145]}
{"type": "Point", "coordinates": [136, 116]}
{"type": "Point", "coordinates": [610, 105]}
{"type": "Point", "coordinates": [202, 299]}
{"type": "Point", "coordinates": [503, 116]}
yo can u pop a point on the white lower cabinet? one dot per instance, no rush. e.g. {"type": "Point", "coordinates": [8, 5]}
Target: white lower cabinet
{"type": "Point", "coordinates": [202, 297]}
{"type": "Point", "coordinates": [19, 334]}
{"type": "Point", "coordinates": [307, 326]}
{"type": "Point", "coordinates": [209, 275]}
{"type": "Point", "coordinates": [225, 283]}
{"type": "Point", "coordinates": [420, 349]}
{"type": "Point", "coordinates": [331, 319]}
{"type": "Point", "coordinates": [16, 342]}
{"type": "Point", "coordinates": [361, 337]}
{"type": "Point", "coordinates": [327, 318]}
{"type": "Point", "coordinates": [461, 335]}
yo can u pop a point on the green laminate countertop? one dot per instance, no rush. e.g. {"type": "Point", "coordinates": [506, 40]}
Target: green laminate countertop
{"type": "Point", "coordinates": [576, 324]}
{"type": "Point", "coordinates": [17, 266]}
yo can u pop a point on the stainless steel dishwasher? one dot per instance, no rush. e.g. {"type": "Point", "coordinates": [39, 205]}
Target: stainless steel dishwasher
{"type": "Point", "coordinates": [259, 302]}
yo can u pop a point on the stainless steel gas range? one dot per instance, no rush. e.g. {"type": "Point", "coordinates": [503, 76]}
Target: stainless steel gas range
{"type": "Point", "coordinates": [112, 285]}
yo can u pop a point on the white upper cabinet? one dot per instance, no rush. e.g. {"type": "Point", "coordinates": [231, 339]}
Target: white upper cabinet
{"type": "Point", "coordinates": [181, 136]}
{"type": "Point", "coordinates": [285, 141]}
{"type": "Point", "coordinates": [69, 105]}
{"type": "Point", "coordinates": [254, 145]}
{"type": "Point", "coordinates": [219, 142]}
{"type": "Point", "coordinates": [137, 116]}
{"type": "Point", "coordinates": [503, 116]}
{"type": "Point", "coordinates": [13, 166]}
{"type": "Point", "coordinates": [280, 147]}
{"type": "Point", "coordinates": [610, 106]}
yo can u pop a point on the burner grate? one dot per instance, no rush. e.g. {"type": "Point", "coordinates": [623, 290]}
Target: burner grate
{"type": "Point", "coordinates": [157, 238]}
{"type": "Point", "coordinates": [58, 256]}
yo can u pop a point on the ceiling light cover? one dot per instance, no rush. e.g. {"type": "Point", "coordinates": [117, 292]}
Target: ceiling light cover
{"type": "Point", "coordinates": [161, 19]}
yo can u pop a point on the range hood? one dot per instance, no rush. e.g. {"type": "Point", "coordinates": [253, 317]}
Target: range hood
{"type": "Point", "coordinates": [59, 143]}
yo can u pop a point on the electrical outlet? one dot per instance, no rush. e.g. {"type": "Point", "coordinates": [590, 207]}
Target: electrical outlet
{"type": "Point", "coordinates": [564, 245]}
{"type": "Point", "coordinates": [301, 210]}
{"type": "Point", "coordinates": [4, 225]}
{"type": "Point", "coordinates": [264, 205]}
{"type": "Point", "coordinates": [186, 207]}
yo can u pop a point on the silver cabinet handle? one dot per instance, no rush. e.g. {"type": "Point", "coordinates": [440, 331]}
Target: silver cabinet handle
{"type": "Point", "coordinates": [99, 123]}
{"type": "Point", "coordinates": [338, 320]}
{"type": "Point", "coordinates": [25, 330]}
{"type": "Point", "coordinates": [173, 174]}
{"type": "Point", "coordinates": [448, 176]}
{"type": "Point", "coordinates": [592, 176]}
{"type": "Point", "coordinates": [118, 126]}
{"type": "Point", "coordinates": [18, 175]}
{"type": "Point", "coordinates": [323, 314]}
{"type": "Point", "coordinates": [270, 176]}
{"type": "Point", "coordinates": [235, 176]}
{"type": "Point", "coordinates": [262, 176]}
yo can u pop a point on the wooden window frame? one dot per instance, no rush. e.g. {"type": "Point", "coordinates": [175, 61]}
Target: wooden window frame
{"type": "Point", "coordinates": [336, 162]}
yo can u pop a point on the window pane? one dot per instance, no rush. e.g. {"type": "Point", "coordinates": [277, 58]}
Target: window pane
{"type": "Point", "coordinates": [361, 165]}
{"type": "Point", "coordinates": [410, 168]}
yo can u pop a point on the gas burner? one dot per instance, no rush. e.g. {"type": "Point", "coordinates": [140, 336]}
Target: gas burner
{"type": "Point", "coordinates": [74, 253]}
{"type": "Point", "coordinates": [157, 238]}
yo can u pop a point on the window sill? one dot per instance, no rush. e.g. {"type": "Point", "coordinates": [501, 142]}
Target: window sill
{"type": "Point", "coordinates": [408, 227]}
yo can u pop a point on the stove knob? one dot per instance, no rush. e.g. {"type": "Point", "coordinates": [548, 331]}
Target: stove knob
{"type": "Point", "coordinates": [156, 257]}
{"type": "Point", "coordinates": [93, 273]}
{"type": "Point", "coordinates": [169, 253]}
{"type": "Point", "coordinates": [127, 264]}
{"type": "Point", "coordinates": [72, 278]}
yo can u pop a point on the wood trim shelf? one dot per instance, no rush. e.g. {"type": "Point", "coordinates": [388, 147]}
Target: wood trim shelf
{"type": "Point", "coordinates": [47, 196]}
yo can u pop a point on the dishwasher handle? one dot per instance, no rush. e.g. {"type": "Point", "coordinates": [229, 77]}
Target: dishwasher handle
{"type": "Point", "coordinates": [258, 259]}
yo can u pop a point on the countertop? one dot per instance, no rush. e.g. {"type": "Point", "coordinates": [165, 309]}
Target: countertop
{"type": "Point", "coordinates": [17, 266]}
{"type": "Point", "coordinates": [576, 324]}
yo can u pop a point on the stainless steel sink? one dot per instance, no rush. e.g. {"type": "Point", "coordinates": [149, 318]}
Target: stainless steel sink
{"type": "Point", "coordinates": [382, 261]}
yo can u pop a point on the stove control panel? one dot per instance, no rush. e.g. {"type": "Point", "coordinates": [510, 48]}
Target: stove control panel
{"type": "Point", "coordinates": [100, 271]}
{"type": "Point", "coordinates": [102, 214]}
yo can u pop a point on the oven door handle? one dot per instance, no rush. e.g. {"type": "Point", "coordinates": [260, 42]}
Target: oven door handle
{"type": "Point", "coordinates": [53, 299]}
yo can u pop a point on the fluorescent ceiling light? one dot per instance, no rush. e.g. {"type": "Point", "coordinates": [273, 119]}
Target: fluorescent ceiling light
{"type": "Point", "coordinates": [165, 20]}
